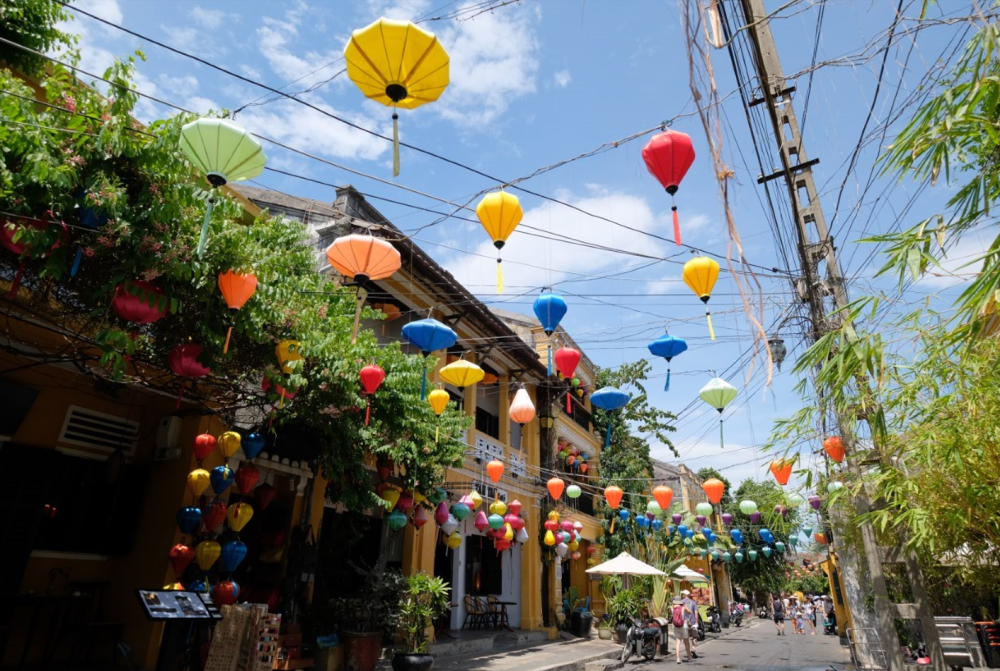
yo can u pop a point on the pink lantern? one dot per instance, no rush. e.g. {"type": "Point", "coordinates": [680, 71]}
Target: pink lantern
{"type": "Point", "coordinates": [183, 360]}
{"type": "Point", "coordinates": [441, 514]}
{"type": "Point", "coordinates": [577, 527]}
{"type": "Point", "coordinates": [514, 507]}
{"type": "Point", "coordinates": [419, 517]}
{"type": "Point", "coordinates": [575, 555]}
{"type": "Point", "coordinates": [481, 522]}
{"type": "Point", "coordinates": [517, 524]}
{"type": "Point", "coordinates": [405, 501]}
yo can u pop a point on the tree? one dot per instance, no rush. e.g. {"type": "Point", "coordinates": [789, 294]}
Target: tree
{"type": "Point", "coordinates": [33, 23]}
{"type": "Point", "coordinates": [708, 472]}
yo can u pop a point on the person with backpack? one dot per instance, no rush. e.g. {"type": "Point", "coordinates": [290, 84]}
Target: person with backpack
{"type": "Point", "coordinates": [680, 629]}
{"type": "Point", "coordinates": [778, 608]}
{"type": "Point", "coordinates": [691, 617]}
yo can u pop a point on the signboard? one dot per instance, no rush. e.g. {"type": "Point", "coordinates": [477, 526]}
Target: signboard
{"type": "Point", "coordinates": [171, 605]}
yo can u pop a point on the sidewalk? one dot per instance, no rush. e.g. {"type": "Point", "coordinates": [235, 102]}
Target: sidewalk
{"type": "Point", "coordinates": [571, 655]}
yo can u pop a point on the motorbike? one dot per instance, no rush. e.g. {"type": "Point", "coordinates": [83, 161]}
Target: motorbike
{"type": "Point", "coordinates": [641, 640]}
{"type": "Point", "coordinates": [699, 630]}
{"type": "Point", "coordinates": [736, 617]}
{"type": "Point", "coordinates": [714, 620]}
{"type": "Point", "coordinates": [762, 613]}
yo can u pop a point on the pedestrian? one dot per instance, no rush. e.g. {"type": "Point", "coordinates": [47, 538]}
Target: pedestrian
{"type": "Point", "coordinates": [810, 608]}
{"type": "Point", "coordinates": [831, 616]}
{"type": "Point", "coordinates": [681, 633]}
{"type": "Point", "coordinates": [778, 608]}
{"type": "Point", "coordinates": [800, 615]}
{"type": "Point", "coordinates": [691, 617]}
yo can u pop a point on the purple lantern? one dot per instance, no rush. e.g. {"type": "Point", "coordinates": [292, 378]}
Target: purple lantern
{"type": "Point", "coordinates": [755, 518]}
{"type": "Point", "coordinates": [677, 517]}
{"type": "Point", "coordinates": [650, 516]}
{"type": "Point", "coordinates": [815, 502]}
{"type": "Point", "coordinates": [701, 519]}
{"type": "Point", "coordinates": [727, 519]}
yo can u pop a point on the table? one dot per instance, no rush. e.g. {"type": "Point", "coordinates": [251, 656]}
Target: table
{"type": "Point", "coordinates": [504, 623]}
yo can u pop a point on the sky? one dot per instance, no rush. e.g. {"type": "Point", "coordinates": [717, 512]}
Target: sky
{"type": "Point", "coordinates": [537, 82]}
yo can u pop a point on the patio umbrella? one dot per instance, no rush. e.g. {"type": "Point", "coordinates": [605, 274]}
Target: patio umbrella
{"type": "Point", "coordinates": [684, 573]}
{"type": "Point", "coordinates": [625, 564]}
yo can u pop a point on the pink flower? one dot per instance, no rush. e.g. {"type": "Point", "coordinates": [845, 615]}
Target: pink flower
{"type": "Point", "coordinates": [104, 241]}
{"type": "Point", "coordinates": [69, 102]}
{"type": "Point", "coordinates": [88, 252]}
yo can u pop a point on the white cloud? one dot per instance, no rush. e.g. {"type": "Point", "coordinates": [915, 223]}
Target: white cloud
{"type": "Point", "coordinates": [186, 38]}
{"type": "Point", "coordinates": [211, 18]}
{"type": "Point", "coordinates": [202, 105]}
{"type": "Point", "coordinates": [109, 10]}
{"type": "Point", "coordinates": [736, 461]}
{"type": "Point", "coordinates": [399, 10]}
{"type": "Point", "coordinates": [184, 85]}
{"type": "Point", "coordinates": [557, 220]}
{"type": "Point", "coordinates": [274, 38]}
{"type": "Point", "coordinates": [563, 78]}
{"type": "Point", "coordinates": [94, 35]}
{"type": "Point", "coordinates": [964, 260]}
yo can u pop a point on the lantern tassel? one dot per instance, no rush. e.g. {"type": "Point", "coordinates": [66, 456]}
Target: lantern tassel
{"type": "Point", "coordinates": [722, 442]}
{"type": "Point", "coordinates": [423, 383]}
{"type": "Point", "coordinates": [500, 278]}
{"type": "Point", "coordinates": [437, 433]}
{"type": "Point", "coordinates": [677, 226]}
{"type": "Point", "coordinates": [229, 333]}
{"type": "Point", "coordinates": [368, 411]}
{"type": "Point", "coordinates": [666, 387]}
{"type": "Point", "coordinates": [613, 520]}
{"type": "Point", "coordinates": [395, 145]}
{"type": "Point", "coordinates": [711, 331]}
{"type": "Point", "coordinates": [76, 262]}
{"type": "Point", "coordinates": [607, 437]}
{"type": "Point", "coordinates": [549, 347]}
{"type": "Point", "coordinates": [569, 404]}
{"type": "Point", "coordinates": [204, 226]}
{"type": "Point", "coordinates": [362, 295]}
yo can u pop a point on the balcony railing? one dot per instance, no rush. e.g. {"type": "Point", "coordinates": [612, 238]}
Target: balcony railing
{"type": "Point", "coordinates": [579, 415]}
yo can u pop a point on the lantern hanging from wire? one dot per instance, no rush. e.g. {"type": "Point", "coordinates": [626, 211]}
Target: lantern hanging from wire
{"type": "Point", "coordinates": [714, 489]}
{"type": "Point", "coordinates": [197, 482]}
{"type": "Point", "coordinates": [556, 487]}
{"type": "Point", "coordinates": [781, 469]}
{"type": "Point", "coordinates": [609, 399]}
{"type": "Point", "coordinates": [438, 399]}
{"type": "Point", "coordinates": [224, 152]}
{"type": "Point", "coordinates": [364, 258]}
{"type": "Point", "coordinates": [663, 495]}
{"type": "Point", "coordinates": [399, 65]}
{"type": "Point", "coordinates": [522, 410]}
{"type": "Point", "coordinates": [429, 335]}
{"type": "Point", "coordinates": [372, 377]}
{"type": "Point", "coordinates": [668, 156]}
{"type": "Point", "coordinates": [229, 442]}
{"type": "Point", "coordinates": [613, 495]}
{"type": "Point", "coordinates": [718, 393]}
{"type": "Point", "coordinates": [462, 373]}
{"type": "Point", "coordinates": [566, 360]}
{"type": "Point", "coordinates": [700, 274]}
{"type": "Point", "coordinates": [495, 470]}
{"type": "Point", "coordinates": [499, 212]}
{"type": "Point", "coordinates": [550, 308]}
{"type": "Point", "coordinates": [206, 554]}
{"type": "Point", "coordinates": [183, 361]}
{"type": "Point", "coordinates": [214, 514]}
{"type": "Point", "coordinates": [834, 447]}
{"type": "Point", "coordinates": [667, 346]}
{"type": "Point", "coordinates": [204, 445]}
{"type": "Point", "coordinates": [236, 288]}
{"type": "Point", "coordinates": [139, 302]}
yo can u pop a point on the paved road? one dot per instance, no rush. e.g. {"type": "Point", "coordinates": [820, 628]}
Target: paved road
{"type": "Point", "coordinates": [758, 647]}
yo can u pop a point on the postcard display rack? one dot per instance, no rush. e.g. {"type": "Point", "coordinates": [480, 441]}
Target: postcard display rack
{"type": "Point", "coordinates": [245, 640]}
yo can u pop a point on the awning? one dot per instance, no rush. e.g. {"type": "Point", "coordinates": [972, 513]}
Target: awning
{"type": "Point", "coordinates": [626, 564]}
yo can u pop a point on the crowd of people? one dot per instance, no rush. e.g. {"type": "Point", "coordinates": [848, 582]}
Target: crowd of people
{"type": "Point", "coordinates": [803, 613]}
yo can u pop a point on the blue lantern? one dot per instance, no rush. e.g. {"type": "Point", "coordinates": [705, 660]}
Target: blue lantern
{"type": "Point", "coordinates": [429, 335]}
{"type": "Point", "coordinates": [460, 511]}
{"type": "Point", "coordinates": [221, 478]}
{"type": "Point", "coordinates": [671, 528]}
{"type": "Point", "coordinates": [668, 347]}
{"type": "Point", "coordinates": [737, 536]}
{"type": "Point", "coordinates": [657, 524]}
{"type": "Point", "coordinates": [623, 514]}
{"type": "Point", "coordinates": [682, 530]}
{"type": "Point", "coordinates": [188, 519]}
{"type": "Point", "coordinates": [690, 533]}
{"type": "Point", "coordinates": [232, 555]}
{"type": "Point", "coordinates": [764, 533]}
{"type": "Point", "coordinates": [198, 586]}
{"type": "Point", "coordinates": [609, 399]}
{"type": "Point", "coordinates": [550, 308]}
{"type": "Point", "coordinates": [642, 521]}
{"type": "Point", "coordinates": [252, 444]}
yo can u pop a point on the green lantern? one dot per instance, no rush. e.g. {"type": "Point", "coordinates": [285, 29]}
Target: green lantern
{"type": "Point", "coordinates": [704, 509]}
{"type": "Point", "coordinates": [748, 507]}
{"type": "Point", "coordinates": [767, 550]}
{"type": "Point", "coordinates": [573, 492]}
{"type": "Point", "coordinates": [739, 557]}
{"type": "Point", "coordinates": [718, 393]}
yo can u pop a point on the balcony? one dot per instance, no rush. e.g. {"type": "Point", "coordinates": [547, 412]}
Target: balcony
{"type": "Point", "coordinates": [580, 415]}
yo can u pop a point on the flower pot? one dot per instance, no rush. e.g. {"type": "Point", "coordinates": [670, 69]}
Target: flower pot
{"type": "Point", "coordinates": [621, 633]}
{"type": "Point", "coordinates": [403, 661]}
{"type": "Point", "coordinates": [580, 623]}
{"type": "Point", "coordinates": [604, 634]}
{"type": "Point", "coordinates": [361, 649]}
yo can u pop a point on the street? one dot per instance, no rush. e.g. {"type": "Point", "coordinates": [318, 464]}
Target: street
{"type": "Point", "coordinates": [757, 646]}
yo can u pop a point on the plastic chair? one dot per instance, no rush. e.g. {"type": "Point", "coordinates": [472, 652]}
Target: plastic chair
{"type": "Point", "coordinates": [585, 608]}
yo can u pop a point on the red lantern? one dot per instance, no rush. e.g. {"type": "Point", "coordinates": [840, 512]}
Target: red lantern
{"type": "Point", "coordinates": [834, 447]}
{"type": "Point", "coordinates": [264, 494]}
{"type": "Point", "coordinates": [139, 302]}
{"type": "Point", "coordinates": [372, 377]}
{"type": "Point", "coordinates": [384, 469]}
{"type": "Point", "coordinates": [514, 507]}
{"type": "Point", "coordinates": [495, 470]}
{"type": "Point", "coordinates": [556, 487]}
{"type": "Point", "coordinates": [567, 359]}
{"type": "Point", "coordinates": [501, 544]}
{"type": "Point", "coordinates": [405, 501]}
{"type": "Point", "coordinates": [236, 288]}
{"type": "Point", "coordinates": [183, 360]}
{"type": "Point", "coordinates": [225, 593]}
{"type": "Point", "coordinates": [8, 229]}
{"type": "Point", "coordinates": [714, 489]}
{"type": "Point", "coordinates": [247, 476]}
{"type": "Point", "coordinates": [214, 515]}
{"type": "Point", "coordinates": [551, 525]}
{"type": "Point", "coordinates": [278, 389]}
{"type": "Point", "coordinates": [663, 495]}
{"type": "Point", "coordinates": [204, 445]}
{"type": "Point", "coordinates": [668, 156]}
{"type": "Point", "coordinates": [781, 469]}
{"type": "Point", "coordinates": [180, 557]}
{"type": "Point", "coordinates": [419, 517]}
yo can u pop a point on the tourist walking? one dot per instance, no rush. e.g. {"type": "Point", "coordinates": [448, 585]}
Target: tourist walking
{"type": "Point", "coordinates": [681, 633]}
{"type": "Point", "coordinates": [778, 608]}
{"type": "Point", "coordinates": [810, 607]}
{"type": "Point", "coordinates": [691, 617]}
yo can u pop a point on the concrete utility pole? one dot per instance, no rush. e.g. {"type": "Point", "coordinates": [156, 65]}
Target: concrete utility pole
{"type": "Point", "coordinates": [816, 248]}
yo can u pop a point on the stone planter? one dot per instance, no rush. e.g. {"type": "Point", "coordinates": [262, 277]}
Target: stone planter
{"type": "Point", "coordinates": [402, 661]}
{"type": "Point", "coordinates": [605, 634]}
{"type": "Point", "coordinates": [361, 649]}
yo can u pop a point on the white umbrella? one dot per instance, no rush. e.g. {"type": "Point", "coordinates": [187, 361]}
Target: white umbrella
{"type": "Point", "coordinates": [626, 565]}
{"type": "Point", "coordinates": [684, 573]}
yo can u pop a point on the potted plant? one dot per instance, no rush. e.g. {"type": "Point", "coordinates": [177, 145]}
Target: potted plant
{"type": "Point", "coordinates": [622, 606]}
{"type": "Point", "coordinates": [369, 615]}
{"type": "Point", "coordinates": [604, 630]}
{"type": "Point", "coordinates": [424, 598]}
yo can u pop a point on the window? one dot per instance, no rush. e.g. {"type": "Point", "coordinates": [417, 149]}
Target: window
{"type": "Point", "coordinates": [487, 423]}
{"type": "Point", "coordinates": [483, 573]}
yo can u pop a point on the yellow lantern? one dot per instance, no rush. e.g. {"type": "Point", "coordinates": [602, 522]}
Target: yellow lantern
{"type": "Point", "coordinates": [454, 540]}
{"type": "Point", "coordinates": [391, 496]}
{"type": "Point", "coordinates": [238, 515]}
{"type": "Point", "coordinates": [477, 500]}
{"type": "Point", "coordinates": [550, 538]}
{"type": "Point", "coordinates": [198, 480]}
{"type": "Point", "coordinates": [206, 554]}
{"type": "Point", "coordinates": [438, 399]}
{"type": "Point", "coordinates": [228, 443]}
{"type": "Point", "coordinates": [287, 351]}
{"type": "Point", "coordinates": [499, 213]}
{"type": "Point", "coordinates": [509, 533]}
{"type": "Point", "coordinates": [462, 373]}
{"type": "Point", "coordinates": [700, 274]}
{"type": "Point", "coordinates": [574, 546]}
{"type": "Point", "coordinates": [498, 508]}
{"type": "Point", "coordinates": [554, 515]}
{"type": "Point", "coordinates": [399, 65]}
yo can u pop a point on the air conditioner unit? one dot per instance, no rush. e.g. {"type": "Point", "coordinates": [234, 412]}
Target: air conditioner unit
{"type": "Point", "coordinates": [168, 439]}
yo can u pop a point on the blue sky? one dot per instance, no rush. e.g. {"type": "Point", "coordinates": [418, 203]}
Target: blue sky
{"type": "Point", "coordinates": [537, 82]}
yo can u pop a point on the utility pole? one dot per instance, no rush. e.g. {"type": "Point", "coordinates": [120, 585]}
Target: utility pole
{"type": "Point", "coordinates": [816, 249]}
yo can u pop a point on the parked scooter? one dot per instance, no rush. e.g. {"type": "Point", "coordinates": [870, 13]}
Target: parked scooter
{"type": "Point", "coordinates": [714, 620]}
{"type": "Point", "coordinates": [641, 639]}
{"type": "Point", "coordinates": [736, 616]}
{"type": "Point", "coordinates": [700, 629]}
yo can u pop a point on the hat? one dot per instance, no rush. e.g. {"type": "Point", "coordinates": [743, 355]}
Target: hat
{"type": "Point", "coordinates": [685, 592]}
{"type": "Point", "coordinates": [678, 600]}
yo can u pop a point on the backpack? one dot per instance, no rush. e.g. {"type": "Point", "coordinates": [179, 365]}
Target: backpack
{"type": "Point", "coordinates": [678, 619]}
{"type": "Point", "coordinates": [779, 607]}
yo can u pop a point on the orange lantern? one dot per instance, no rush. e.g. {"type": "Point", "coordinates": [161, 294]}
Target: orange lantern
{"type": "Point", "coordinates": [613, 495]}
{"type": "Point", "coordinates": [820, 538]}
{"type": "Point", "coordinates": [556, 487]}
{"type": "Point", "coordinates": [715, 488]}
{"type": "Point", "coordinates": [663, 495]}
{"type": "Point", "coordinates": [364, 258]}
{"type": "Point", "coordinates": [781, 469]}
{"type": "Point", "coordinates": [522, 410]}
{"type": "Point", "coordinates": [495, 470]}
{"type": "Point", "coordinates": [834, 447]}
{"type": "Point", "coordinates": [236, 288]}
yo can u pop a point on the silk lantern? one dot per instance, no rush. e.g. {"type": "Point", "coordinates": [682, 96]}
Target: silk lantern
{"type": "Point", "coordinates": [223, 152]}
{"type": "Point", "coordinates": [515, 507]}
{"type": "Point", "coordinates": [229, 443]}
{"type": "Point", "coordinates": [815, 501]}
{"type": "Point", "coordinates": [834, 446]}
{"type": "Point", "coordinates": [188, 519]}
{"type": "Point", "coordinates": [781, 469]}
{"type": "Point", "coordinates": [180, 556]}
{"type": "Point", "coordinates": [236, 288]}
{"type": "Point", "coordinates": [232, 555]}
{"type": "Point", "coordinates": [663, 495]}
{"type": "Point", "coordinates": [550, 308]}
{"type": "Point", "coordinates": [613, 495]}
{"type": "Point", "coordinates": [225, 593]}
{"type": "Point", "coordinates": [748, 507]}
{"type": "Point", "coordinates": [653, 508]}
{"type": "Point", "coordinates": [495, 470]}
{"type": "Point", "coordinates": [573, 492]}
{"type": "Point", "coordinates": [609, 399]}
{"type": "Point", "coordinates": [498, 508]}
{"type": "Point", "coordinates": [429, 335]}
{"type": "Point", "coordinates": [703, 509]}
{"type": "Point", "coordinates": [806, 531]}
{"type": "Point", "coordinates": [567, 359]}
{"type": "Point", "coordinates": [700, 274]}
{"type": "Point", "coordinates": [555, 487]}
{"type": "Point", "coordinates": [450, 526]}
{"type": "Point", "coordinates": [287, 352]}
{"type": "Point", "coordinates": [247, 476]}
{"type": "Point", "coordinates": [204, 445]}
{"type": "Point", "coordinates": [139, 302]}
{"type": "Point", "coordinates": [667, 346]}
{"type": "Point", "coordinates": [214, 514]}
{"type": "Point", "coordinates": [718, 393]}
{"type": "Point", "coordinates": [364, 258]}
{"type": "Point", "coordinates": [727, 519]}
{"type": "Point", "coordinates": [206, 554]}
{"type": "Point", "coordinates": [476, 498]}
{"type": "Point", "coordinates": [398, 64]}
{"type": "Point", "coordinates": [481, 522]}
{"type": "Point", "coordinates": [405, 501]}
{"type": "Point", "coordinates": [372, 377]}
{"type": "Point", "coordinates": [253, 444]}
{"type": "Point", "coordinates": [420, 517]}
{"type": "Point", "coordinates": [737, 536]}
{"type": "Point", "coordinates": [454, 539]}
{"type": "Point", "coordinates": [265, 495]}
{"type": "Point", "coordinates": [499, 213]}
{"type": "Point", "coordinates": [461, 374]}
{"type": "Point", "coordinates": [183, 361]}
{"type": "Point", "coordinates": [522, 410]}
{"type": "Point", "coordinates": [460, 511]}
{"type": "Point", "coordinates": [794, 500]}
{"type": "Point", "coordinates": [438, 399]}
{"type": "Point", "coordinates": [396, 520]}
{"type": "Point", "coordinates": [779, 546]}
{"type": "Point", "coordinates": [834, 486]}
{"type": "Point", "coordinates": [221, 478]}
{"type": "Point", "coordinates": [238, 516]}
{"type": "Point", "coordinates": [668, 156]}
{"type": "Point", "coordinates": [198, 481]}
